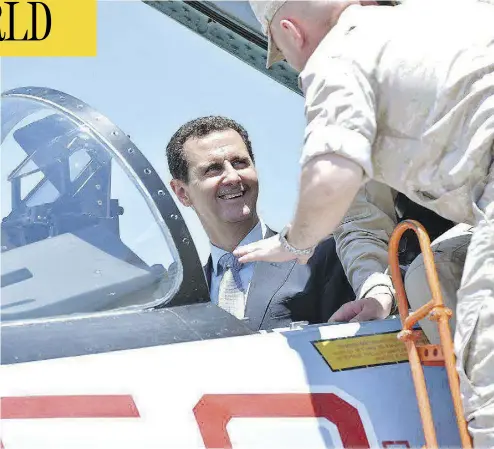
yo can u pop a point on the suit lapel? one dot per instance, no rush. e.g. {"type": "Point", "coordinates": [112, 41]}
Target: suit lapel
{"type": "Point", "coordinates": [208, 269]}
{"type": "Point", "coordinates": [267, 279]}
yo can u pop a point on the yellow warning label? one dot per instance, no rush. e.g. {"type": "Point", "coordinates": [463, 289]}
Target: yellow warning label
{"type": "Point", "coordinates": [360, 352]}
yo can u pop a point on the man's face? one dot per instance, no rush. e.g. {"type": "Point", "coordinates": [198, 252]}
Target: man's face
{"type": "Point", "coordinates": [223, 185]}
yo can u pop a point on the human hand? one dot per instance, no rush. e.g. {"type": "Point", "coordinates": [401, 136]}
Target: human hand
{"type": "Point", "coordinates": [267, 250]}
{"type": "Point", "coordinates": [375, 307]}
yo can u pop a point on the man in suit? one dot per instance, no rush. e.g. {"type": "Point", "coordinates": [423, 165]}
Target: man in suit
{"type": "Point", "coordinates": [212, 166]}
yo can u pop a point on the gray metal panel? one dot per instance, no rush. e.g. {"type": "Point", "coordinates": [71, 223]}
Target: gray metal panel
{"type": "Point", "coordinates": [53, 339]}
{"type": "Point", "coordinates": [232, 27]}
{"type": "Point", "coordinates": [241, 12]}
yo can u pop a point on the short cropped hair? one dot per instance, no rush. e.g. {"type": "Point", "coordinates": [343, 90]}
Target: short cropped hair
{"type": "Point", "coordinates": [197, 128]}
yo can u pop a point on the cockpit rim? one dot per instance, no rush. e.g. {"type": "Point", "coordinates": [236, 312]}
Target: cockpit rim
{"type": "Point", "coordinates": [189, 285]}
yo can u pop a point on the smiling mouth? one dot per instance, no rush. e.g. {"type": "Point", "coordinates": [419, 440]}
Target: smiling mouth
{"type": "Point", "coordinates": [231, 196]}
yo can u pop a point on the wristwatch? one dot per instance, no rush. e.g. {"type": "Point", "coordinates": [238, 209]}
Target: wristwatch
{"type": "Point", "coordinates": [292, 249]}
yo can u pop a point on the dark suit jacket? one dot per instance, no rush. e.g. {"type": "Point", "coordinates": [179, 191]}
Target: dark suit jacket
{"type": "Point", "coordinates": [280, 293]}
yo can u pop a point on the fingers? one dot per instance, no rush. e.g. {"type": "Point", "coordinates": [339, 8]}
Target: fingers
{"type": "Point", "coordinates": [367, 314]}
{"type": "Point", "coordinates": [246, 249]}
{"type": "Point", "coordinates": [366, 309]}
{"type": "Point", "coordinates": [347, 312]}
{"type": "Point", "coordinates": [372, 310]}
{"type": "Point", "coordinates": [250, 253]}
{"type": "Point", "coordinates": [255, 255]}
{"type": "Point", "coordinates": [267, 250]}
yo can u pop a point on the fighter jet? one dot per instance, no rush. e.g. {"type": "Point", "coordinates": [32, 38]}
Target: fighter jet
{"type": "Point", "coordinates": [105, 346]}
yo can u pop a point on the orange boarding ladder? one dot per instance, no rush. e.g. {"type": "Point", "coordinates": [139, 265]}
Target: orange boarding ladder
{"type": "Point", "coordinates": [442, 354]}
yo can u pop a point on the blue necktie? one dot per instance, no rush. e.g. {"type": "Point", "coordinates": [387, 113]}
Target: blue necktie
{"type": "Point", "coordinates": [231, 295]}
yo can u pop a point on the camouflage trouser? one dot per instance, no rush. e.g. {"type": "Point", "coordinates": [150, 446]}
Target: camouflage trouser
{"type": "Point", "coordinates": [465, 264]}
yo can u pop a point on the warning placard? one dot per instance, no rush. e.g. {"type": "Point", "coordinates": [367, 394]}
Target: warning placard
{"type": "Point", "coordinates": [360, 352]}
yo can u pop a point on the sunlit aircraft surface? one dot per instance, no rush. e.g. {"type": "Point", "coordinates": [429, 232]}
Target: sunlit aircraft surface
{"type": "Point", "coordinates": [105, 346]}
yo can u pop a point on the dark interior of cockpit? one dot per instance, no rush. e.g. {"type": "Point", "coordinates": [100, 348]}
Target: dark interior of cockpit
{"type": "Point", "coordinates": [62, 251]}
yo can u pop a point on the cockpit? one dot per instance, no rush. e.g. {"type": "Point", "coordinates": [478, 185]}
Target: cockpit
{"type": "Point", "coordinates": [62, 185]}
{"type": "Point", "coordinates": [82, 226]}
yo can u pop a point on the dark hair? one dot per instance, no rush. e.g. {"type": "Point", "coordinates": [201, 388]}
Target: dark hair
{"type": "Point", "coordinates": [199, 127]}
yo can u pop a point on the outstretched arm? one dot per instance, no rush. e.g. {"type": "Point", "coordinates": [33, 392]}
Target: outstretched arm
{"type": "Point", "coordinates": [328, 185]}
{"type": "Point", "coordinates": [336, 158]}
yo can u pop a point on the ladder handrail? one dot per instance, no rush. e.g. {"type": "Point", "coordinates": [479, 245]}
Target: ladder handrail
{"type": "Point", "coordinates": [434, 310]}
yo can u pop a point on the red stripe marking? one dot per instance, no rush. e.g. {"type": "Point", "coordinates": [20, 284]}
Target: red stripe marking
{"type": "Point", "coordinates": [97, 406]}
{"type": "Point", "coordinates": [213, 412]}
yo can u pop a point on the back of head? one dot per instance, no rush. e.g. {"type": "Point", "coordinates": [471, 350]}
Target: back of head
{"type": "Point", "coordinates": [295, 28]}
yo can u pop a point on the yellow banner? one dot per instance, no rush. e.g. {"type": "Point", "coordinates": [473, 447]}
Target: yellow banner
{"type": "Point", "coordinates": [364, 351]}
{"type": "Point", "coordinates": [48, 28]}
